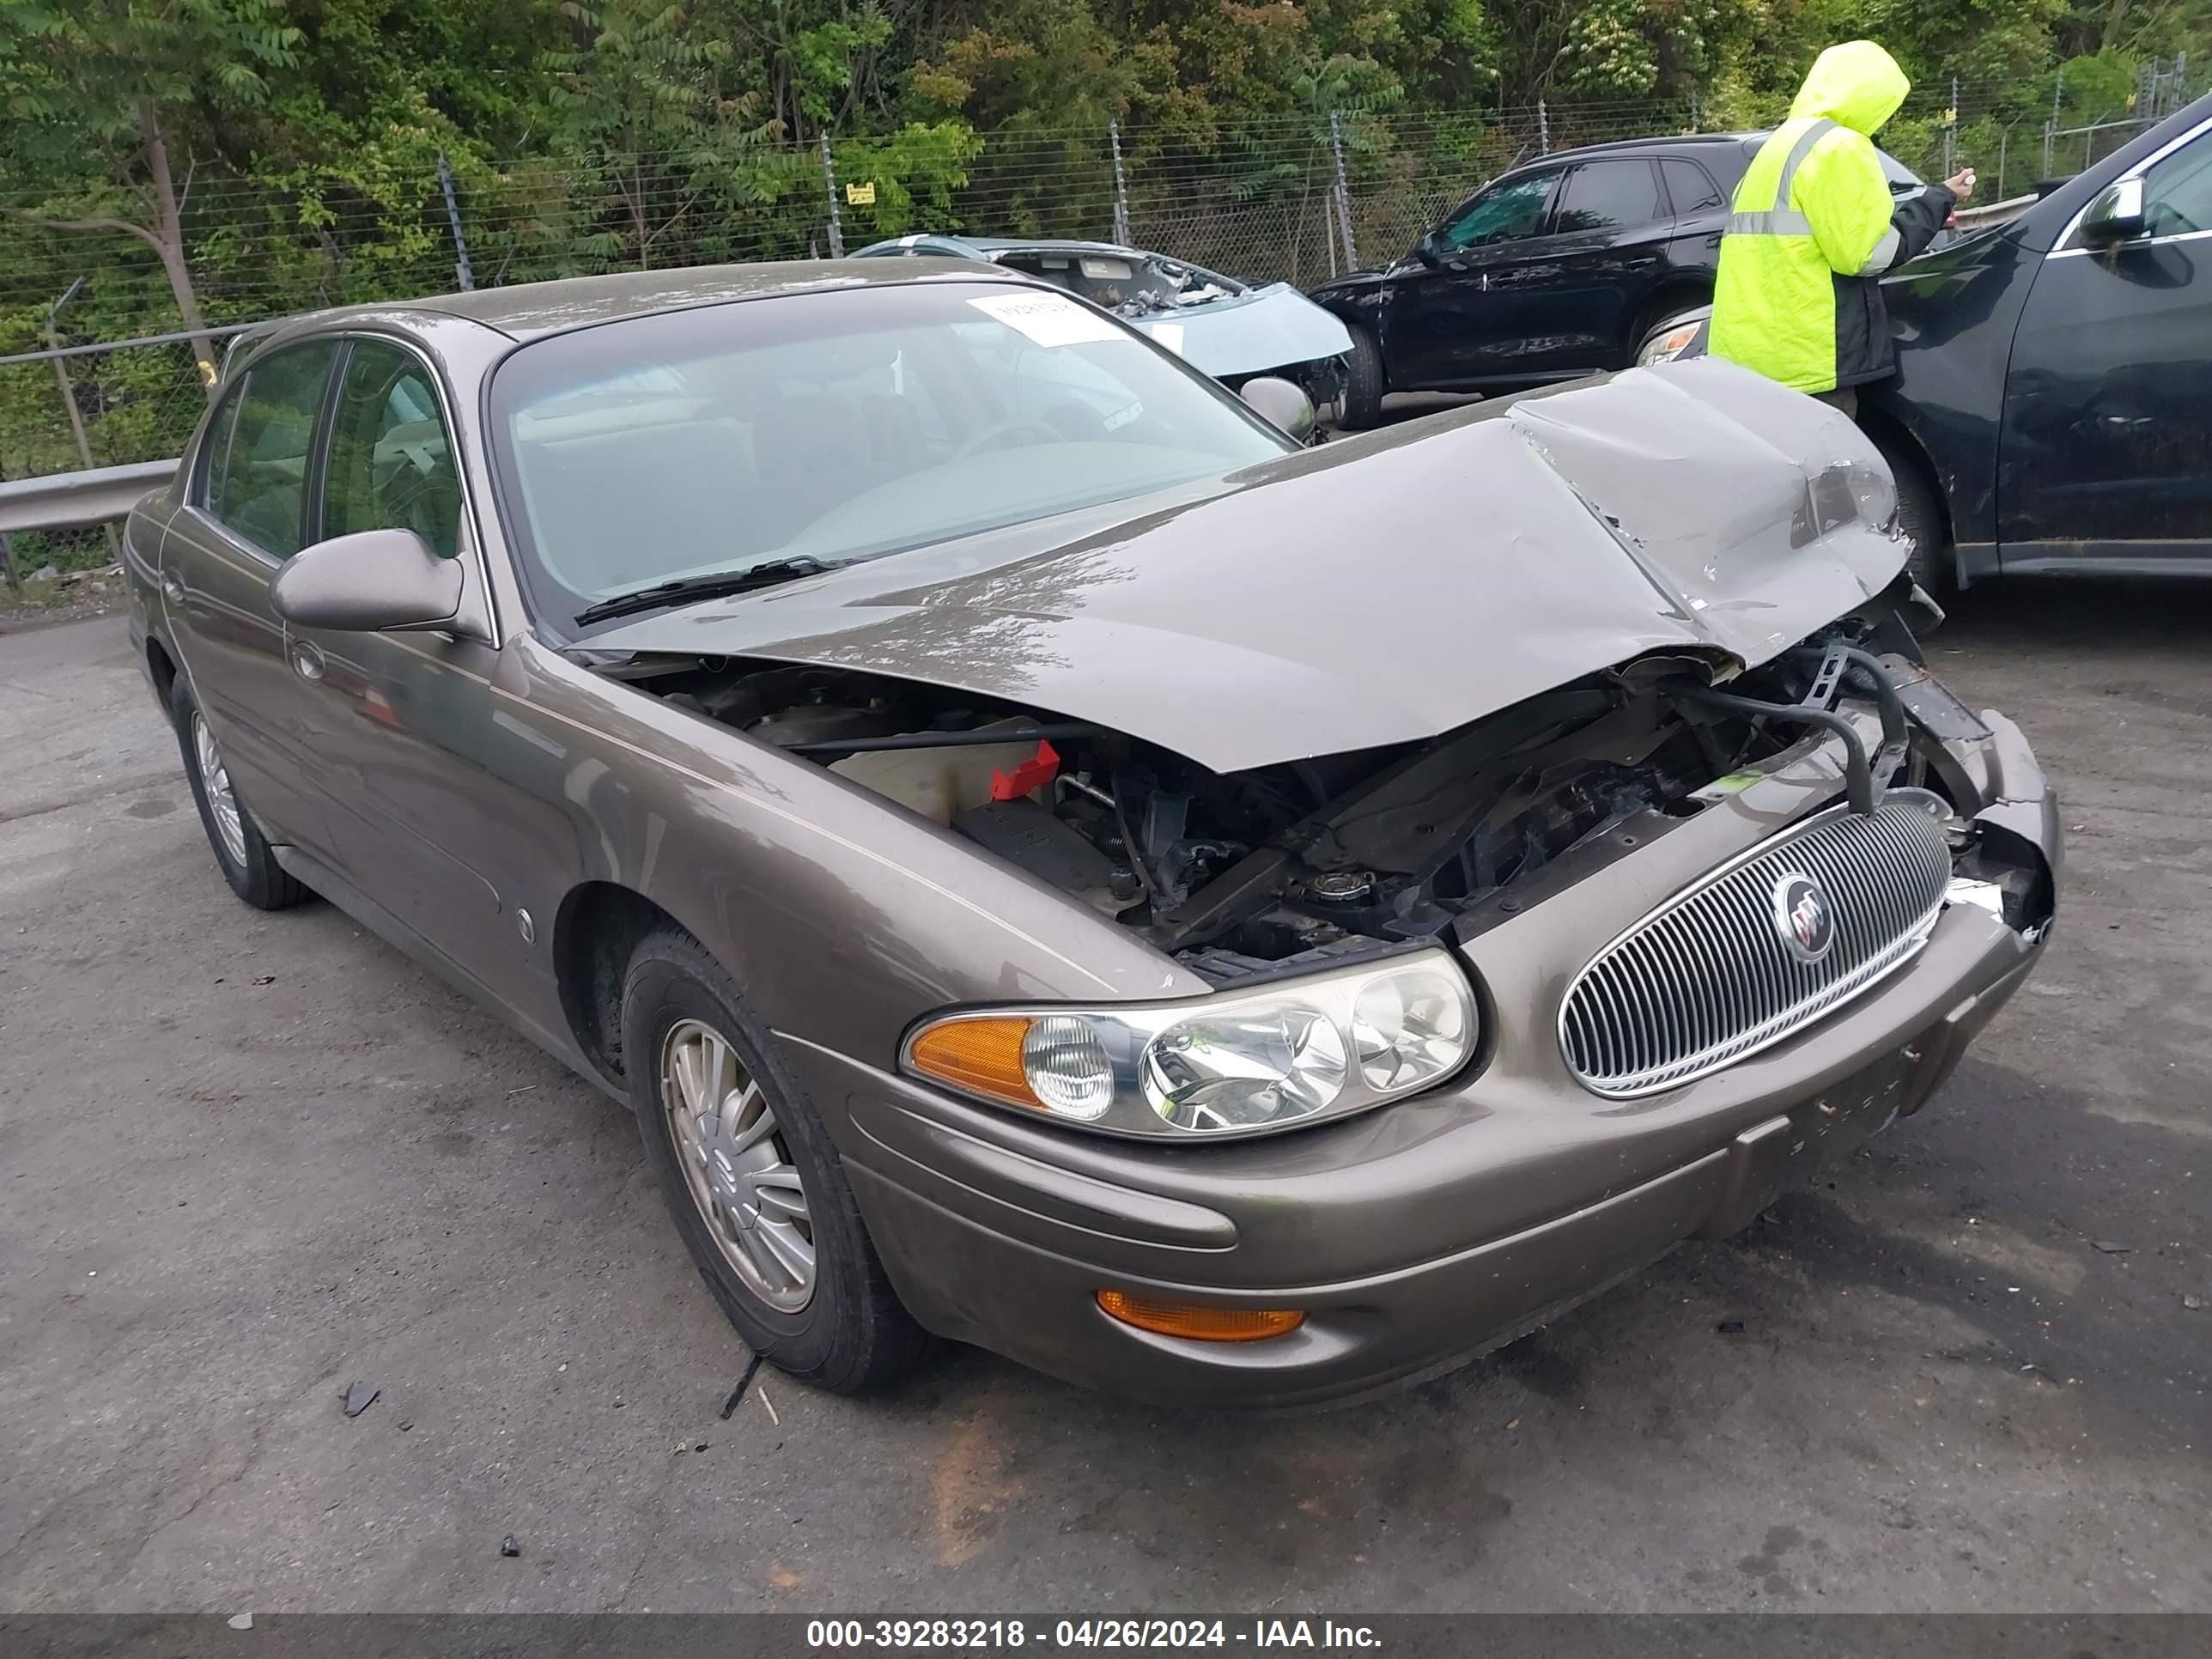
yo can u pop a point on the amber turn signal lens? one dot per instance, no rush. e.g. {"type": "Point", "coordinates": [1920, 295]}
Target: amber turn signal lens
{"type": "Point", "coordinates": [1201, 1324]}
{"type": "Point", "coordinates": [982, 1056]}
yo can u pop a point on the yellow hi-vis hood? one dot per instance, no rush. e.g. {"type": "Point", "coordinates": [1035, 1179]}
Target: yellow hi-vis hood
{"type": "Point", "coordinates": [1858, 85]}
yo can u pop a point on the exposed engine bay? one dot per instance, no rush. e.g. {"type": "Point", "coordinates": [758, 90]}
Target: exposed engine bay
{"type": "Point", "coordinates": [1245, 872]}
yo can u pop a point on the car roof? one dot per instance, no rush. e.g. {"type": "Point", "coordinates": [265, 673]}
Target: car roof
{"type": "Point", "coordinates": [1639, 146]}
{"type": "Point", "coordinates": [1691, 142]}
{"type": "Point", "coordinates": [527, 310]}
{"type": "Point", "coordinates": [982, 248]}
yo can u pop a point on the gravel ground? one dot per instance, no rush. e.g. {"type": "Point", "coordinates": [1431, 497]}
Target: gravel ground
{"type": "Point", "coordinates": [247, 1160]}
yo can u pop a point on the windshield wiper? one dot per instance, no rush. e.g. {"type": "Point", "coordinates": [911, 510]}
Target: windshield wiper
{"type": "Point", "coordinates": [717, 586]}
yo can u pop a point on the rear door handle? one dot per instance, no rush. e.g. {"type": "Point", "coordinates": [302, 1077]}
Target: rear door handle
{"type": "Point", "coordinates": [173, 588]}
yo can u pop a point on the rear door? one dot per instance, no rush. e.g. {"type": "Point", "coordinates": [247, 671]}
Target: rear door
{"type": "Point", "coordinates": [1698, 194]}
{"type": "Point", "coordinates": [2106, 447]}
{"type": "Point", "coordinates": [1465, 319]}
{"type": "Point", "coordinates": [245, 515]}
{"type": "Point", "coordinates": [1590, 278]}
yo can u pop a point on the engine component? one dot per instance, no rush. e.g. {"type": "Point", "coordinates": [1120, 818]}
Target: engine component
{"type": "Point", "coordinates": [1029, 837]}
{"type": "Point", "coordinates": [939, 782]}
{"type": "Point", "coordinates": [824, 723]}
{"type": "Point", "coordinates": [1341, 887]}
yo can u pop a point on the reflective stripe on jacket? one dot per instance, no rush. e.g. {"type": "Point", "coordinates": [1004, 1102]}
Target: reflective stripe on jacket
{"type": "Point", "coordinates": [1814, 227]}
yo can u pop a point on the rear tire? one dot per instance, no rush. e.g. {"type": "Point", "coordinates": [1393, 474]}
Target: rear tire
{"type": "Point", "coordinates": [1365, 382]}
{"type": "Point", "coordinates": [241, 852]}
{"type": "Point", "coordinates": [752, 1179]}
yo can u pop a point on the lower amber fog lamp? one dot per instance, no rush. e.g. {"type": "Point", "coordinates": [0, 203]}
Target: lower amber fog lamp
{"type": "Point", "coordinates": [1200, 1324]}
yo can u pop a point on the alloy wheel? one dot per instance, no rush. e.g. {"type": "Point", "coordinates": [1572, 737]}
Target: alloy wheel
{"type": "Point", "coordinates": [222, 799]}
{"type": "Point", "coordinates": [737, 1166]}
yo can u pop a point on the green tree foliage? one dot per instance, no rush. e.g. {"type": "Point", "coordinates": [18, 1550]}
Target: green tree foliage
{"type": "Point", "coordinates": [640, 109]}
{"type": "Point", "coordinates": [99, 97]}
{"type": "Point", "coordinates": [209, 160]}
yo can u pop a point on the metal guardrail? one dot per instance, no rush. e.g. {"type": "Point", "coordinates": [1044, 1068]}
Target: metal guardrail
{"type": "Point", "coordinates": [1995, 213]}
{"type": "Point", "coordinates": [71, 501]}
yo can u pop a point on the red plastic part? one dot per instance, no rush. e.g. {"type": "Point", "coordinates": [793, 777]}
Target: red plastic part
{"type": "Point", "coordinates": [1032, 774]}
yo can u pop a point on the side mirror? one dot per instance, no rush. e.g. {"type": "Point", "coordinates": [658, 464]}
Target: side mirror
{"type": "Point", "coordinates": [1427, 250]}
{"type": "Point", "coordinates": [1281, 404]}
{"type": "Point", "coordinates": [2116, 214]}
{"type": "Point", "coordinates": [371, 580]}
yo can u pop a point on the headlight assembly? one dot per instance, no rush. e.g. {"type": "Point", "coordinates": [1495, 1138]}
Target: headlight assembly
{"type": "Point", "coordinates": [1238, 1062]}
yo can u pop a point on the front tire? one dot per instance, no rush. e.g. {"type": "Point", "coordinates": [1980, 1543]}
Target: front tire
{"type": "Point", "coordinates": [241, 852]}
{"type": "Point", "coordinates": [750, 1174]}
{"type": "Point", "coordinates": [1365, 382]}
{"type": "Point", "coordinates": [1921, 520]}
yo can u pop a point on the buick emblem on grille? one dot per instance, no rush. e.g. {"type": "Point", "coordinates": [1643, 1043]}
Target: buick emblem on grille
{"type": "Point", "coordinates": [1804, 916]}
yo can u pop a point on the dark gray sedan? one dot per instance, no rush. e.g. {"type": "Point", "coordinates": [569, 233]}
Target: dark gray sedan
{"type": "Point", "coordinates": [1052, 863]}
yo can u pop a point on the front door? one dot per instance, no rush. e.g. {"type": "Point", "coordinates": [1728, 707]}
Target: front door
{"type": "Point", "coordinates": [2107, 450]}
{"type": "Point", "coordinates": [402, 724]}
{"type": "Point", "coordinates": [245, 515]}
{"type": "Point", "coordinates": [1464, 317]}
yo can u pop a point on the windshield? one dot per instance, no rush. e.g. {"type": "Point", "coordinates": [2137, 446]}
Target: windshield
{"type": "Point", "coordinates": [1903, 181]}
{"type": "Point", "coordinates": [834, 426]}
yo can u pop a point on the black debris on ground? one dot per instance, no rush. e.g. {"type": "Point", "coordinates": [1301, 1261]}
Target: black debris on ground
{"type": "Point", "coordinates": [738, 1393]}
{"type": "Point", "coordinates": [508, 1546]}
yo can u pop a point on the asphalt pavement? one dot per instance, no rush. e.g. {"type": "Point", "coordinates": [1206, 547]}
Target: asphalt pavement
{"type": "Point", "coordinates": [248, 1160]}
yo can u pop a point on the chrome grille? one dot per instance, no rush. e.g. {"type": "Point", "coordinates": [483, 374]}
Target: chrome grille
{"type": "Point", "coordinates": [1707, 978]}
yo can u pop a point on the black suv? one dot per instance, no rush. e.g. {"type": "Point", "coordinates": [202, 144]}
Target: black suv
{"type": "Point", "coordinates": [1560, 268]}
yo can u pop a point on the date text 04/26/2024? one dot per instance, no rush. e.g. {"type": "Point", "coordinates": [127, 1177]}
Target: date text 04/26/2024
{"type": "Point", "coordinates": [825, 1635]}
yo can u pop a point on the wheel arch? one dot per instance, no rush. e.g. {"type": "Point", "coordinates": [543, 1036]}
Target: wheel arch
{"type": "Point", "coordinates": [1681, 291]}
{"type": "Point", "coordinates": [163, 668]}
{"type": "Point", "coordinates": [596, 931]}
{"type": "Point", "coordinates": [1901, 445]}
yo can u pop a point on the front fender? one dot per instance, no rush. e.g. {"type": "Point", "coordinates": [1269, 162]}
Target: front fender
{"type": "Point", "coordinates": [842, 916]}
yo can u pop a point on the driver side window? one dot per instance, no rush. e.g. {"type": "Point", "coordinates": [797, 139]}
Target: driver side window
{"type": "Point", "coordinates": [391, 464]}
{"type": "Point", "coordinates": [1504, 213]}
{"type": "Point", "coordinates": [2178, 191]}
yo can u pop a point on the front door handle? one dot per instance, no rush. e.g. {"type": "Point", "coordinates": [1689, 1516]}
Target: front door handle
{"type": "Point", "coordinates": [173, 588]}
{"type": "Point", "coordinates": [306, 661]}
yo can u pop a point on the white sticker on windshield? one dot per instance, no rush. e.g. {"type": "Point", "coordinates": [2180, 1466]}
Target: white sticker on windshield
{"type": "Point", "coordinates": [1049, 319]}
{"type": "Point", "coordinates": [1169, 335]}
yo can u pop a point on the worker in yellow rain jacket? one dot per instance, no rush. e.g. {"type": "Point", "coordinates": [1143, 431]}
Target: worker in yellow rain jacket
{"type": "Point", "coordinates": [1814, 227]}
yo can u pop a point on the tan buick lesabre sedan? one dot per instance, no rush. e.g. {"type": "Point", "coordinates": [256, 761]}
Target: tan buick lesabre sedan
{"type": "Point", "coordinates": [1053, 861]}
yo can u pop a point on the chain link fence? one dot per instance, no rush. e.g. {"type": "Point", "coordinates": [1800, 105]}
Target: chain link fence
{"type": "Point", "coordinates": [1298, 197]}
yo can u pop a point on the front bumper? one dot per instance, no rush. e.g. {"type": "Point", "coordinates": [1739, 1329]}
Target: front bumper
{"type": "Point", "coordinates": [1423, 1234]}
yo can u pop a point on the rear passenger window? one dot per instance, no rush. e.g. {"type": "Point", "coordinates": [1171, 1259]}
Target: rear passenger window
{"type": "Point", "coordinates": [1607, 196]}
{"type": "Point", "coordinates": [392, 459]}
{"type": "Point", "coordinates": [1692, 187]}
{"type": "Point", "coordinates": [256, 475]}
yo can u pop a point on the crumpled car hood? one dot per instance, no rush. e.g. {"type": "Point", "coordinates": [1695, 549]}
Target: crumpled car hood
{"type": "Point", "coordinates": [1377, 590]}
{"type": "Point", "coordinates": [1271, 327]}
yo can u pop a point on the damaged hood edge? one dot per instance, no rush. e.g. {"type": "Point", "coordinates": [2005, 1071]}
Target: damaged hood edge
{"type": "Point", "coordinates": [1375, 590]}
